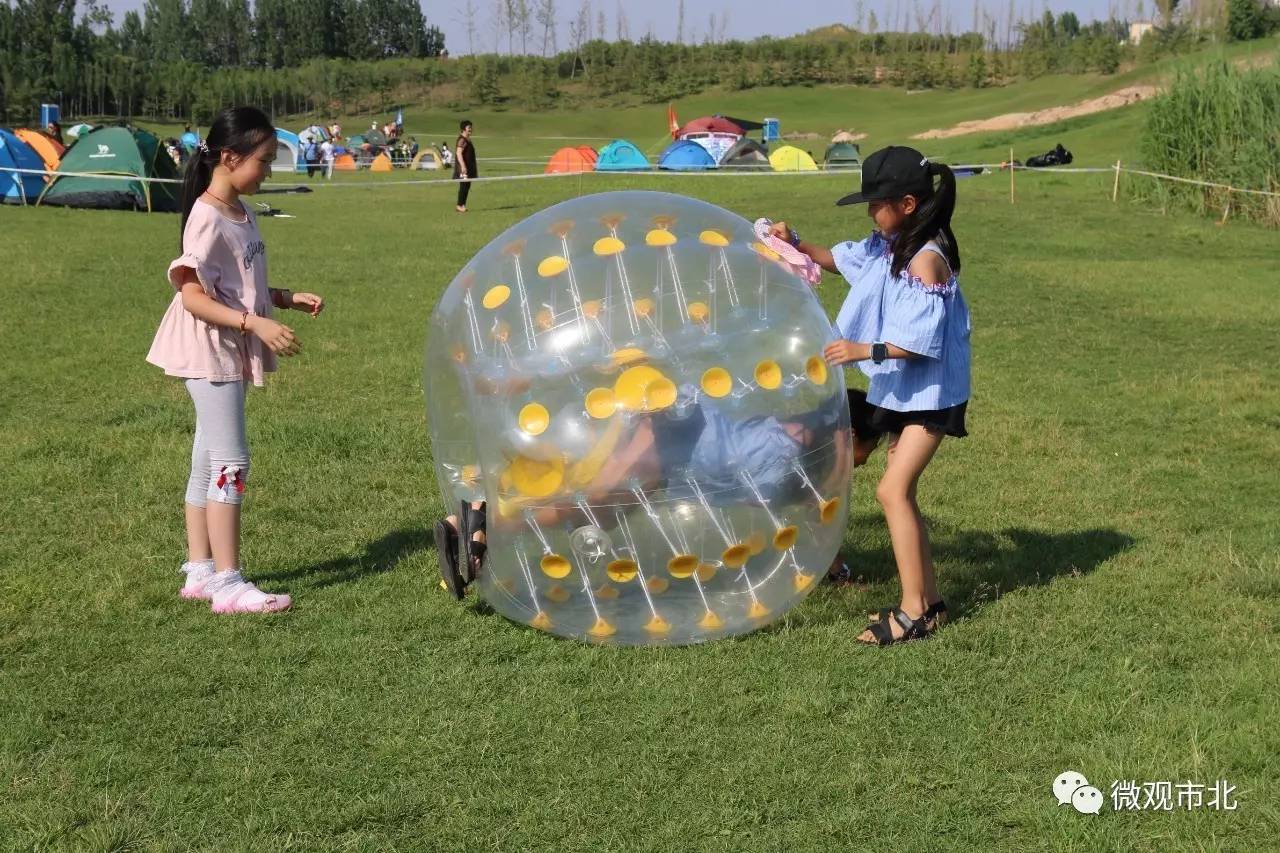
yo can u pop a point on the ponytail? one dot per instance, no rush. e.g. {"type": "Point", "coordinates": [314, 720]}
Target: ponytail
{"type": "Point", "coordinates": [240, 130]}
{"type": "Point", "coordinates": [930, 221]}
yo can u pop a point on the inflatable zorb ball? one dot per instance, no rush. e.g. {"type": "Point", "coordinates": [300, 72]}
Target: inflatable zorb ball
{"type": "Point", "coordinates": [636, 387]}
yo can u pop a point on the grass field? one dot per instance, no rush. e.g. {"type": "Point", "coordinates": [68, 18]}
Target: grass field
{"type": "Point", "coordinates": [1107, 535]}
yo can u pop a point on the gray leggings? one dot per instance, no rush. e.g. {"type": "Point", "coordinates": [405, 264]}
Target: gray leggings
{"type": "Point", "coordinates": [220, 452]}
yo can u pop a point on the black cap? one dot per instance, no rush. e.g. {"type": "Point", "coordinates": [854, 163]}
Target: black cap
{"type": "Point", "coordinates": [892, 173]}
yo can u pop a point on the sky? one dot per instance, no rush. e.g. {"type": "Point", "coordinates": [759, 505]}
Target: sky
{"type": "Point", "coordinates": [746, 19]}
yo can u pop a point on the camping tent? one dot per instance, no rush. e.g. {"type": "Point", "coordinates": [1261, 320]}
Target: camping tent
{"type": "Point", "coordinates": [189, 140]}
{"type": "Point", "coordinates": [79, 130]}
{"type": "Point", "coordinates": [569, 160]}
{"type": "Point", "coordinates": [49, 149]}
{"type": "Point", "coordinates": [427, 158]}
{"type": "Point", "coordinates": [381, 163]}
{"type": "Point", "coordinates": [15, 187]}
{"type": "Point", "coordinates": [288, 152]}
{"type": "Point", "coordinates": [789, 158]}
{"type": "Point", "coordinates": [842, 155]}
{"type": "Point", "coordinates": [717, 134]}
{"type": "Point", "coordinates": [746, 154]}
{"type": "Point", "coordinates": [312, 132]}
{"type": "Point", "coordinates": [685, 155]}
{"type": "Point", "coordinates": [846, 136]}
{"type": "Point", "coordinates": [117, 151]}
{"type": "Point", "coordinates": [620, 156]}
{"type": "Point", "coordinates": [590, 153]}
{"type": "Point", "coordinates": [344, 163]}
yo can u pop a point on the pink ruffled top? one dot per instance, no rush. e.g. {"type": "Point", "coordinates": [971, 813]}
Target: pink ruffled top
{"type": "Point", "coordinates": [230, 261]}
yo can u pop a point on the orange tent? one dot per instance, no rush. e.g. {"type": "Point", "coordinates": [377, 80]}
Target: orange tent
{"type": "Point", "coordinates": [570, 160]}
{"type": "Point", "coordinates": [49, 149]}
{"type": "Point", "coordinates": [344, 163]}
{"type": "Point", "coordinates": [381, 163]}
{"type": "Point", "coordinates": [590, 153]}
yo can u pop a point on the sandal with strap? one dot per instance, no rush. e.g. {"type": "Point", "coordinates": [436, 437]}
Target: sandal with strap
{"type": "Point", "coordinates": [912, 629]}
{"type": "Point", "coordinates": [447, 551]}
{"type": "Point", "coordinates": [473, 521]}
{"type": "Point", "coordinates": [935, 610]}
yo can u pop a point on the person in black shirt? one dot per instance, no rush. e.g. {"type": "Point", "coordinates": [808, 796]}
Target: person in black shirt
{"type": "Point", "coordinates": [464, 163]}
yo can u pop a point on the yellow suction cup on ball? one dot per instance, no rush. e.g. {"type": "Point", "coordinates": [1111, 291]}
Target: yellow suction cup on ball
{"type": "Point", "coordinates": [627, 355]}
{"type": "Point", "coordinates": [659, 394]}
{"type": "Point", "coordinates": [606, 246]}
{"type": "Point", "coordinates": [657, 625]}
{"type": "Point", "coordinates": [660, 237]}
{"type": "Point", "coordinates": [713, 238]}
{"type": "Point", "coordinates": [551, 266]}
{"type": "Point", "coordinates": [736, 556]}
{"type": "Point", "coordinates": [534, 419]}
{"type": "Point", "coordinates": [699, 312]}
{"type": "Point", "coordinates": [601, 403]}
{"type": "Point", "coordinates": [785, 537]}
{"type": "Point", "coordinates": [496, 296]}
{"type": "Point", "coordinates": [542, 621]}
{"type": "Point", "coordinates": [558, 594]}
{"type": "Point", "coordinates": [757, 610]}
{"type": "Point", "coordinates": [706, 572]}
{"type": "Point", "coordinates": [602, 628]}
{"type": "Point", "coordinates": [768, 374]}
{"type": "Point", "coordinates": [765, 252]}
{"type": "Point", "coordinates": [802, 581]}
{"type": "Point", "coordinates": [816, 369]}
{"type": "Point", "coordinates": [755, 542]}
{"type": "Point", "coordinates": [717, 382]}
{"type": "Point", "coordinates": [682, 566]}
{"type": "Point", "coordinates": [555, 566]}
{"type": "Point", "coordinates": [621, 570]}
{"type": "Point", "coordinates": [644, 307]}
{"type": "Point", "coordinates": [829, 510]}
{"type": "Point", "coordinates": [710, 622]}
{"type": "Point", "coordinates": [657, 585]}
{"type": "Point", "coordinates": [608, 592]}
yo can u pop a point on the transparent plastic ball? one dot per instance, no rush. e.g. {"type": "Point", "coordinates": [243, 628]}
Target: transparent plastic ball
{"type": "Point", "coordinates": [635, 385]}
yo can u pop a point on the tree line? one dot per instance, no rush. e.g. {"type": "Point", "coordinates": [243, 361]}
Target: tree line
{"type": "Point", "coordinates": [188, 58]}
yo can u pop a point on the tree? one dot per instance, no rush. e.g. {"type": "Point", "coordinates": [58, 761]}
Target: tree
{"type": "Point", "coordinates": [546, 17]}
{"type": "Point", "coordinates": [1244, 20]}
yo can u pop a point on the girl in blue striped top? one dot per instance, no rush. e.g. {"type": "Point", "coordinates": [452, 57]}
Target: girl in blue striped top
{"type": "Point", "coordinates": [906, 325]}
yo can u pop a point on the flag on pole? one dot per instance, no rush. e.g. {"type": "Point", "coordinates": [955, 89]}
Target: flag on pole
{"type": "Point", "coordinates": [671, 120]}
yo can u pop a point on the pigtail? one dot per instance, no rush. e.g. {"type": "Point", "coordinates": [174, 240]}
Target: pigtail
{"type": "Point", "coordinates": [931, 221]}
{"type": "Point", "coordinates": [195, 180]}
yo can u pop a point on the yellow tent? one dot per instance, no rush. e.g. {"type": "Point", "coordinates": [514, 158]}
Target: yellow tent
{"type": "Point", "coordinates": [381, 163]}
{"type": "Point", "coordinates": [427, 158]}
{"type": "Point", "coordinates": [788, 158]}
{"type": "Point", "coordinates": [344, 163]}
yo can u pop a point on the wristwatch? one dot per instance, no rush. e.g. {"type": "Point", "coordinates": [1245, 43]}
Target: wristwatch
{"type": "Point", "coordinates": [795, 238]}
{"type": "Point", "coordinates": [879, 352]}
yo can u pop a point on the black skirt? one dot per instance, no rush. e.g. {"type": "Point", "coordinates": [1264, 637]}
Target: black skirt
{"type": "Point", "coordinates": [871, 421]}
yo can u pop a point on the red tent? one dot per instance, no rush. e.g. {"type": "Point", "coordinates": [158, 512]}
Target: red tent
{"type": "Point", "coordinates": [710, 124]}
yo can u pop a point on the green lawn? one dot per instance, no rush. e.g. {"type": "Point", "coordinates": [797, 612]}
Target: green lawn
{"type": "Point", "coordinates": [1108, 536]}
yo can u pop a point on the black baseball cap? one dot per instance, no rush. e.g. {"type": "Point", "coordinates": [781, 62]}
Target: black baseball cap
{"type": "Point", "coordinates": [892, 173]}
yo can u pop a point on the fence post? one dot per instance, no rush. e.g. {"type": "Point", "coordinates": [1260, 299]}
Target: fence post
{"type": "Point", "coordinates": [1012, 169]}
{"type": "Point", "coordinates": [1115, 186]}
{"type": "Point", "coordinates": [1226, 211]}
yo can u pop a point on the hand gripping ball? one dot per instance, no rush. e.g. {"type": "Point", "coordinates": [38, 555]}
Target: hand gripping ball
{"type": "Point", "coordinates": [636, 387]}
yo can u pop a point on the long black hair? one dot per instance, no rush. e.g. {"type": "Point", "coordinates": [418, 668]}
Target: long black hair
{"type": "Point", "coordinates": [930, 221]}
{"type": "Point", "coordinates": [241, 130]}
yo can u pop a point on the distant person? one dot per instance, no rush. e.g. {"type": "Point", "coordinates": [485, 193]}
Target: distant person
{"type": "Point", "coordinates": [464, 163]}
{"type": "Point", "coordinates": [54, 131]}
{"type": "Point", "coordinates": [326, 157]}
{"type": "Point", "coordinates": [218, 336]}
{"type": "Point", "coordinates": [446, 156]}
{"type": "Point", "coordinates": [311, 153]}
{"type": "Point", "coordinates": [905, 324]}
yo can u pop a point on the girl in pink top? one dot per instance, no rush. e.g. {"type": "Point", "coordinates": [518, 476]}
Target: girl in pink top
{"type": "Point", "coordinates": [218, 335]}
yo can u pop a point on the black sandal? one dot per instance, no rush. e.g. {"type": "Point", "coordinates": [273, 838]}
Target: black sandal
{"type": "Point", "coordinates": [447, 552]}
{"type": "Point", "coordinates": [938, 608]}
{"type": "Point", "coordinates": [473, 521]}
{"type": "Point", "coordinates": [882, 632]}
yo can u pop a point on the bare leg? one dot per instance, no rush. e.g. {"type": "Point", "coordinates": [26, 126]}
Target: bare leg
{"type": "Point", "coordinates": [908, 456]}
{"type": "Point", "coordinates": [198, 547]}
{"type": "Point", "coordinates": [224, 535]}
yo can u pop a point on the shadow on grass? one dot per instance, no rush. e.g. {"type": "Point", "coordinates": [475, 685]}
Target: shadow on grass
{"type": "Point", "coordinates": [978, 566]}
{"type": "Point", "coordinates": [380, 555]}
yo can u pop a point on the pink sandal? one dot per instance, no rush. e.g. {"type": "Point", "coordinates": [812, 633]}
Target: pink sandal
{"type": "Point", "coordinates": [231, 593]}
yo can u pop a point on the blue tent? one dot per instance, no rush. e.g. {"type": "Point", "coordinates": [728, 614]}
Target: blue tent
{"type": "Point", "coordinates": [288, 152]}
{"type": "Point", "coordinates": [620, 156]}
{"type": "Point", "coordinates": [685, 155]}
{"type": "Point", "coordinates": [190, 140]}
{"type": "Point", "coordinates": [19, 188]}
